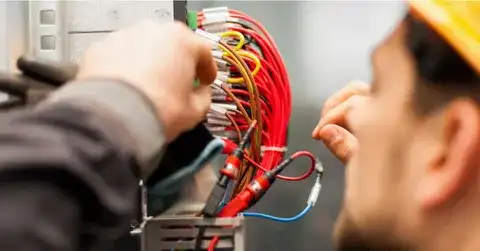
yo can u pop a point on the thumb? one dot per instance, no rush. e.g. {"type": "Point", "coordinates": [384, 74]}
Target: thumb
{"type": "Point", "coordinates": [339, 141]}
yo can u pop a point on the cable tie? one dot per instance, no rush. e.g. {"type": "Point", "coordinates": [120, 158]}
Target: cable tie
{"type": "Point", "coordinates": [280, 149]}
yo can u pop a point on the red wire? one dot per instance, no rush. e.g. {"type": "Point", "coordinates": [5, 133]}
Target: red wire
{"type": "Point", "coordinates": [294, 156]}
{"type": "Point", "coordinates": [213, 243]}
{"type": "Point", "coordinates": [273, 83]}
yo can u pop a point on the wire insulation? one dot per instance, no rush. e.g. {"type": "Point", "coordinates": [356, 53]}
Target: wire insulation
{"type": "Point", "coordinates": [279, 219]}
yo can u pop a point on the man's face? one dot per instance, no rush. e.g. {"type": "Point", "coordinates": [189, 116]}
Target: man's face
{"type": "Point", "coordinates": [379, 210]}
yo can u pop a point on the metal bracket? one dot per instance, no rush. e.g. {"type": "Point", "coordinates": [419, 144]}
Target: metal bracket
{"type": "Point", "coordinates": [189, 233]}
{"type": "Point", "coordinates": [183, 231]}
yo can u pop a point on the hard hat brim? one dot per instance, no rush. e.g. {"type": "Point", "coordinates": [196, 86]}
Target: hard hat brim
{"type": "Point", "coordinates": [454, 27]}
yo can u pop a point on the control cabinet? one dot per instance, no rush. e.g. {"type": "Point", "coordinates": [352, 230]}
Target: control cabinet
{"type": "Point", "coordinates": [62, 30]}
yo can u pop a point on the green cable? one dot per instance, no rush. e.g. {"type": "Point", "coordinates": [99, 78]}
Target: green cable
{"type": "Point", "coordinates": [192, 23]}
{"type": "Point", "coordinates": [192, 20]}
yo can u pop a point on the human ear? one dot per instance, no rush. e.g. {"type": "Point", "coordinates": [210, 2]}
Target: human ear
{"type": "Point", "coordinates": [451, 170]}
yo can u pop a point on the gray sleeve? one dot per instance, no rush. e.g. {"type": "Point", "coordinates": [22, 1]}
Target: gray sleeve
{"type": "Point", "coordinates": [129, 106]}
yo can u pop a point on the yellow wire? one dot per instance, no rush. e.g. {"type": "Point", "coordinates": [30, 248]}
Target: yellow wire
{"type": "Point", "coordinates": [240, 36]}
{"type": "Point", "coordinates": [255, 71]}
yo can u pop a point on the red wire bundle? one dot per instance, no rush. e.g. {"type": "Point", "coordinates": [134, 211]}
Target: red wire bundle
{"type": "Point", "coordinates": [273, 83]}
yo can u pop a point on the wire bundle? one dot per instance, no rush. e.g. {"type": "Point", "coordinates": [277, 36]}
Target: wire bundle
{"type": "Point", "coordinates": [252, 84]}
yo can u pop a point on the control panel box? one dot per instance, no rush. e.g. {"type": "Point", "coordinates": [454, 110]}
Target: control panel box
{"type": "Point", "coordinates": [62, 30]}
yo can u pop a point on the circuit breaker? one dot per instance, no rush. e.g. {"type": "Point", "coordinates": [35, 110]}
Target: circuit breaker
{"type": "Point", "coordinates": [62, 30]}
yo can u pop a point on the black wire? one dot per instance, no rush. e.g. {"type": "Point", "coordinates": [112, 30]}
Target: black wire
{"type": "Point", "coordinates": [243, 24]}
{"type": "Point", "coordinates": [199, 239]}
{"type": "Point", "coordinates": [248, 40]}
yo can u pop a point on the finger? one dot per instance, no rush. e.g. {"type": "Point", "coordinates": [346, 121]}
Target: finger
{"type": "Point", "coordinates": [201, 99]}
{"type": "Point", "coordinates": [339, 141]}
{"type": "Point", "coordinates": [206, 68]}
{"type": "Point", "coordinates": [353, 88]}
{"type": "Point", "coordinates": [338, 114]}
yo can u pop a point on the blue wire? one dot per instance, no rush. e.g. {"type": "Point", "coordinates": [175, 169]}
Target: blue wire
{"type": "Point", "coordinates": [279, 219]}
{"type": "Point", "coordinates": [226, 196]}
{"type": "Point", "coordinates": [177, 179]}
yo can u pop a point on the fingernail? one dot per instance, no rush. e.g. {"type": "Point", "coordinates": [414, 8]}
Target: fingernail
{"type": "Point", "coordinates": [315, 131]}
{"type": "Point", "coordinates": [330, 136]}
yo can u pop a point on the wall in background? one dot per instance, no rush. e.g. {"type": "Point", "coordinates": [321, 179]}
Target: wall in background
{"type": "Point", "coordinates": [325, 44]}
{"type": "Point", "coordinates": [13, 32]}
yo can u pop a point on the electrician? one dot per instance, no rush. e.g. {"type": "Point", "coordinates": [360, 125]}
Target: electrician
{"type": "Point", "coordinates": [69, 167]}
{"type": "Point", "coordinates": [412, 139]}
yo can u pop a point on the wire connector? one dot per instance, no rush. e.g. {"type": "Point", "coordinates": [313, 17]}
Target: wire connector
{"type": "Point", "coordinates": [319, 167]}
{"type": "Point", "coordinates": [226, 106]}
{"type": "Point", "coordinates": [215, 109]}
{"type": "Point", "coordinates": [218, 122]}
{"type": "Point", "coordinates": [221, 64]}
{"type": "Point", "coordinates": [216, 27]}
{"type": "Point", "coordinates": [217, 54]}
{"type": "Point", "coordinates": [215, 20]}
{"type": "Point", "coordinates": [215, 15]}
{"type": "Point", "coordinates": [219, 97]}
{"type": "Point", "coordinates": [214, 39]}
{"type": "Point", "coordinates": [216, 91]}
{"type": "Point", "coordinates": [315, 192]}
{"type": "Point", "coordinates": [222, 76]}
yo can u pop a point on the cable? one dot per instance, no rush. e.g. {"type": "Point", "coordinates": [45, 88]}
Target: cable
{"type": "Point", "coordinates": [214, 148]}
{"type": "Point", "coordinates": [241, 38]}
{"type": "Point", "coordinates": [257, 189]}
{"type": "Point", "coordinates": [253, 84]}
{"type": "Point", "coordinates": [231, 145]}
{"type": "Point", "coordinates": [279, 219]}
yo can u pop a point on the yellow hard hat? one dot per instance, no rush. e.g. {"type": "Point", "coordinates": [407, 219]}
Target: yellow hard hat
{"type": "Point", "coordinates": [458, 22]}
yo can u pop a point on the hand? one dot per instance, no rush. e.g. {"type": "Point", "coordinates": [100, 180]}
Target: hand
{"type": "Point", "coordinates": [333, 128]}
{"type": "Point", "coordinates": [162, 61]}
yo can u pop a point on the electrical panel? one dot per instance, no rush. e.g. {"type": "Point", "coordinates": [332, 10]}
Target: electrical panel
{"type": "Point", "coordinates": [62, 30]}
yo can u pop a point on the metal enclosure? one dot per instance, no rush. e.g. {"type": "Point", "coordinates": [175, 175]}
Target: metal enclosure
{"type": "Point", "coordinates": [188, 232]}
{"type": "Point", "coordinates": [325, 44]}
{"type": "Point", "coordinates": [61, 30]}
